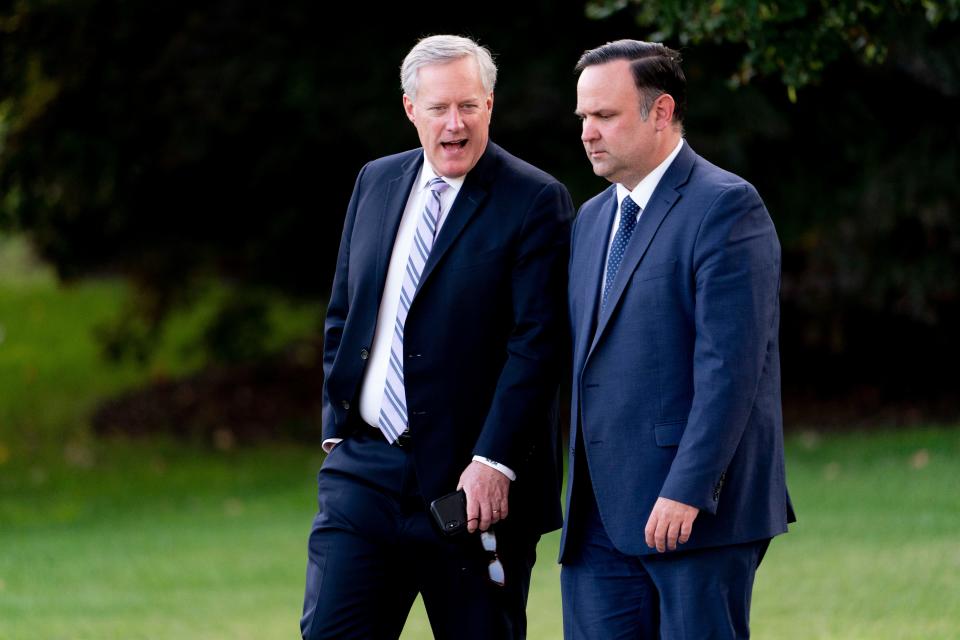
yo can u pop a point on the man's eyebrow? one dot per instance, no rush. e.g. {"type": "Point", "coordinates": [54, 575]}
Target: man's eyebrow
{"type": "Point", "coordinates": [580, 113]}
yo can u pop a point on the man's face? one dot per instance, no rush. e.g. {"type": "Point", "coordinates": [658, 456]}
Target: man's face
{"type": "Point", "coordinates": [621, 146]}
{"type": "Point", "coordinates": [452, 115]}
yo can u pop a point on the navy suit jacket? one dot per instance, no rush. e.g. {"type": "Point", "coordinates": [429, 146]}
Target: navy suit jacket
{"type": "Point", "coordinates": [485, 335]}
{"type": "Point", "coordinates": [676, 383]}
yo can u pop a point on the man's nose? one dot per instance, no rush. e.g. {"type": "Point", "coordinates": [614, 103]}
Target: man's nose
{"type": "Point", "coordinates": [589, 131]}
{"type": "Point", "coordinates": [454, 121]}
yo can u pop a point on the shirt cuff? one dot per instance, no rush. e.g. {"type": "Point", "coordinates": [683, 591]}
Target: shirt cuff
{"type": "Point", "coordinates": [502, 468]}
{"type": "Point", "coordinates": [330, 443]}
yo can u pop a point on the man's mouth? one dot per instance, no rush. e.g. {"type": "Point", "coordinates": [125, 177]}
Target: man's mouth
{"type": "Point", "coordinates": [454, 144]}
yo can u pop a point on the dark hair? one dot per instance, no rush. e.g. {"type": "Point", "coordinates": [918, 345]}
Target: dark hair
{"type": "Point", "coordinates": [656, 71]}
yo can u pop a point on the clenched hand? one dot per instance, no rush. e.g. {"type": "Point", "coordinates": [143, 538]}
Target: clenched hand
{"type": "Point", "coordinates": [670, 522]}
{"type": "Point", "coordinates": [486, 490]}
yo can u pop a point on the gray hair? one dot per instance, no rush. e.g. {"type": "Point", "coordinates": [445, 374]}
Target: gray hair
{"type": "Point", "coordinates": [443, 49]}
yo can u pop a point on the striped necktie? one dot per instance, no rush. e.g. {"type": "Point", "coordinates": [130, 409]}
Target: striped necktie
{"type": "Point", "coordinates": [628, 221]}
{"type": "Point", "coordinates": [393, 409]}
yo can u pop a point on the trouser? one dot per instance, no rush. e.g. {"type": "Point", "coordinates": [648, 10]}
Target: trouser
{"type": "Point", "coordinates": [701, 593]}
{"type": "Point", "coordinates": [373, 547]}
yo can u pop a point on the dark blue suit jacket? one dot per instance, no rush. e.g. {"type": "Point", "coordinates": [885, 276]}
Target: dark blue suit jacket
{"type": "Point", "coordinates": [485, 334]}
{"type": "Point", "coordinates": [676, 384]}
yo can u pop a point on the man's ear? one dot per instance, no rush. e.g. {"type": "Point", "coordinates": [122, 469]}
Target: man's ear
{"type": "Point", "coordinates": [662, 110]}
{"type": "Point", "coordinates": [408, 108]}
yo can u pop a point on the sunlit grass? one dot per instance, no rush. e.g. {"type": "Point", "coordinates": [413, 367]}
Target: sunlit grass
{"type": "Point", "coordinates": [876, 551]}
{"type": "Point", "coordinates": [157, 540]}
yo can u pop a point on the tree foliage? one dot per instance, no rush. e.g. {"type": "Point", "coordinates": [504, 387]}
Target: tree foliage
{"type": "Point", "coordinates": [169, 142]}
{"type": "Point", "coordinates": [795, 40]}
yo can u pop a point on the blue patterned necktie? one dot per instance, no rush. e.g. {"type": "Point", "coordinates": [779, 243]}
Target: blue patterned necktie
{"type": "Point", "coordinates": [628, 222]}
{"type": "Point", "coordinates": [393, 409]}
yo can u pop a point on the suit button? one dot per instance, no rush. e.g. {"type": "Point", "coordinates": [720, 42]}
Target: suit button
{"type": "Point", "coordinates": [345, 404]}
{"type": "Point", "coordinates": [364, 354]}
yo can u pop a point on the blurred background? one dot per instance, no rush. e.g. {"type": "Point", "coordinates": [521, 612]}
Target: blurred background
{"type": "Point", "coordinates": [173, 180]}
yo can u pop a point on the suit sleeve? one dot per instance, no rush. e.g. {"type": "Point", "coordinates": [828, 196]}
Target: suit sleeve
{"type": "Point", "coordinates": [736, 266]}
{"type": "Point", "coordinates": [337, 309]}
{"type": "Point", "coordinates": [537, 342]}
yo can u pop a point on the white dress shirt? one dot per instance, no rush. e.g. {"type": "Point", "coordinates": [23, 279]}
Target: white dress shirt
{"type": "Point", "coordinates": [640, 195]}
{"type": "Point", "coordinates": [375, 375]}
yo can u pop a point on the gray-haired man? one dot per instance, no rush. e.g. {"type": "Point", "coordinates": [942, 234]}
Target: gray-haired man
{"type": "Point", "coordinates": [441, 357]}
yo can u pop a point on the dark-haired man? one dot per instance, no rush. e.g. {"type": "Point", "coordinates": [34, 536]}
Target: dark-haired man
{"type": "Point", "coordinates": [676, 471]}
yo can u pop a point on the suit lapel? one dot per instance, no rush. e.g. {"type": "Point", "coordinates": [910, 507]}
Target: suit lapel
{"type": "Point", "coordinates": [472, 194]}
{"type": "Point", "coordinates": [395, 197]}
{"type": "Point", "coordinates": [664, 197]}
{"type": "Point", "coordinates": [589, 271]}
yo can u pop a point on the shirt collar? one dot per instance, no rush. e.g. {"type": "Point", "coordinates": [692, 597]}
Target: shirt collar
{"type": "Point", "coordinates": [642, 192]}
{"type": "Point", "coordinates": [427, 174]}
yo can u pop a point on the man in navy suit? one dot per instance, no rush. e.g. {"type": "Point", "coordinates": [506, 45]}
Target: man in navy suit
{"type": "Point", "coordinates": [443, 344]}
{"type": "Point", "coordinates": [676, 481]}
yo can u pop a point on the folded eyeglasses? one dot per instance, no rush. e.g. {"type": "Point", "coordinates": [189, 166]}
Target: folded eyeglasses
{"type": "Point", "coordinates": [495, 568]}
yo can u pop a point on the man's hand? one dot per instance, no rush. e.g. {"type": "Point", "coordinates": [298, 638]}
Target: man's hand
{"type": "Point", "coordinates": [486, 490]}
{"type": "Point", "coordinates": [670, 522]}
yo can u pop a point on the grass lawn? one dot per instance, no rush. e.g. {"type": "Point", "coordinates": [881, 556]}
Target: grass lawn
{"type": "Point", "coordinates": [876, 551]}
{"type": "Point", "coordinates": [159, 540]}
{"type": "Point", "coordinates": [154, 540]}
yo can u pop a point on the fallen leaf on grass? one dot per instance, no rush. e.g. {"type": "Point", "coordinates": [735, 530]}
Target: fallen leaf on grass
{"type": "Point", "coordinates": [920, 459]}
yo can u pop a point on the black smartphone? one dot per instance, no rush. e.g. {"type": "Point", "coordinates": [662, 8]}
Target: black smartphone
{"type": "Point", "coordinates": [450, 512]}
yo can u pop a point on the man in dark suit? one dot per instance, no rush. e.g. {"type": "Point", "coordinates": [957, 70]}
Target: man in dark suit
{"type": "Point", "coordinates": [443, 343]}
{"type": "Point", "coordinates": [676, 481]}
